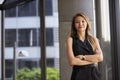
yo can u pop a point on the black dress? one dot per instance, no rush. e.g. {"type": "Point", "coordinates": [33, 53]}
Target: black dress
{"type": "Point", "coordinates": [85, 72]}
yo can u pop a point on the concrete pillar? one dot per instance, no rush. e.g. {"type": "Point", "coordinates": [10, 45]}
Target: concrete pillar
{"type": "Point", "coordinates": [68, 8]}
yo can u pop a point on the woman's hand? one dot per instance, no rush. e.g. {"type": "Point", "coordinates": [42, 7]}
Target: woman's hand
{"type": "Point", "coordinates": [79, 56]}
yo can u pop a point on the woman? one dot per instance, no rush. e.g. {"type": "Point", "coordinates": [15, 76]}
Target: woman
{"type": "Point", "coordinates": [83, 50]}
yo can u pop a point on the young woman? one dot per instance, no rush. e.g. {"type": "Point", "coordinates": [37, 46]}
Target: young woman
{"type": "Point", "coordinates": [83, 50]}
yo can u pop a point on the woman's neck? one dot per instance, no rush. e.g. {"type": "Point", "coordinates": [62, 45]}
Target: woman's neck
{"type": "Point", "coordinates": [81, 36]}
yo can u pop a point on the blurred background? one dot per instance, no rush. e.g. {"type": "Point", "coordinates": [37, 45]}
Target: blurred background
{"type": "Point", "coordinates": [35, 36]}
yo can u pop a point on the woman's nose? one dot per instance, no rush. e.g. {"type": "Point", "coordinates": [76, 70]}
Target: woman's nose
{"type": "Point", "coordinates": [80, 23]}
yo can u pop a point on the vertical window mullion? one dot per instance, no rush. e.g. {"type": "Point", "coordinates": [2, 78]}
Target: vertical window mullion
{"type": "Point", "coordinates": [43, 39]}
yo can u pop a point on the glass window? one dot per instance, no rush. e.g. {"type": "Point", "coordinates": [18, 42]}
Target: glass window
{"type": "Point", "coordinates": [34, 37]}
{"type": "Point", "coordinates": [10, 12]}
{"type": "Point", "coordinates": [50, 62]}
{"type": "Point", "coordinates": [9, 68]}
{"type": "Point", "coordinates": [29, 9]}
{"type": "Point", "coordinates": [24, 37]}
{"type": "Point", "coordinates": [27, 37]}
{"type": "Point", "coordinates": [10, 37]}
{"type": "Point", "coordinates": [49, 36]}
{"type": "Point", "coordinates": [48, 8]}
{"type": "Point", "coordinates": [105, 41]}
{"type": "Point", "coordinates": [27, 63]}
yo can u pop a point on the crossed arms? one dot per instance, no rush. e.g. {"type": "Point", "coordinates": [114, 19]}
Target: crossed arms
{"type": "Point", "coordinates": [89, 59]}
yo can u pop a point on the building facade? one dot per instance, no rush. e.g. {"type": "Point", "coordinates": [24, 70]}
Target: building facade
{"type": "Point", "coordinates": [22, 26]}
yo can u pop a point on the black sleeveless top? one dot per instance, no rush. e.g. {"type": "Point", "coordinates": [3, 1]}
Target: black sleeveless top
{"type": "Point", "coordinates": [84, 72]}
{"type": "Point", "coordinates": [82, 48]}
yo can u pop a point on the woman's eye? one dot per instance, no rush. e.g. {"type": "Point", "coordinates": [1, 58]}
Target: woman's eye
{"type": "Point", "coordinates": [77, 22]}
{"type": "Point", "coordinates": [83, 21]}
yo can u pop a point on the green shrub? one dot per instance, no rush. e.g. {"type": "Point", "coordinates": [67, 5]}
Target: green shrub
{"type": "Point", "coordinates": [34, 74]}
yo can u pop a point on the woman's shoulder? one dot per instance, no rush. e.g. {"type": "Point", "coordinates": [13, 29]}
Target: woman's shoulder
{"type": "Point", "coordinates": [69, 38]}
{"type": "Point", "coordinates": [72, 38]}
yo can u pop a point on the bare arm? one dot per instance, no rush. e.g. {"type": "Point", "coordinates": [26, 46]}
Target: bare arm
{"type": "Point", "coordinates": [97, 57]}
{"type": "Point", "coordinates": [71, 58]}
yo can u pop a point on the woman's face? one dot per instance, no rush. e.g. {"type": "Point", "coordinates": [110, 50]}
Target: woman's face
{"type": "Point", "coordinates": [80, 24]}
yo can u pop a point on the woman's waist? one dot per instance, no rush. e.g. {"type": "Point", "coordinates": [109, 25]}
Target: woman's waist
{"type": "Point", "coordinates": [83, 66]}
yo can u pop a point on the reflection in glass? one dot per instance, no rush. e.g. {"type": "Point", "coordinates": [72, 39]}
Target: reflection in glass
{"type": "Point", "coordinates": [22, 25]}
{"type": "Point", "coordinates": [28, 9]}
{"type": "Point", "coordinates": [105, 41]}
